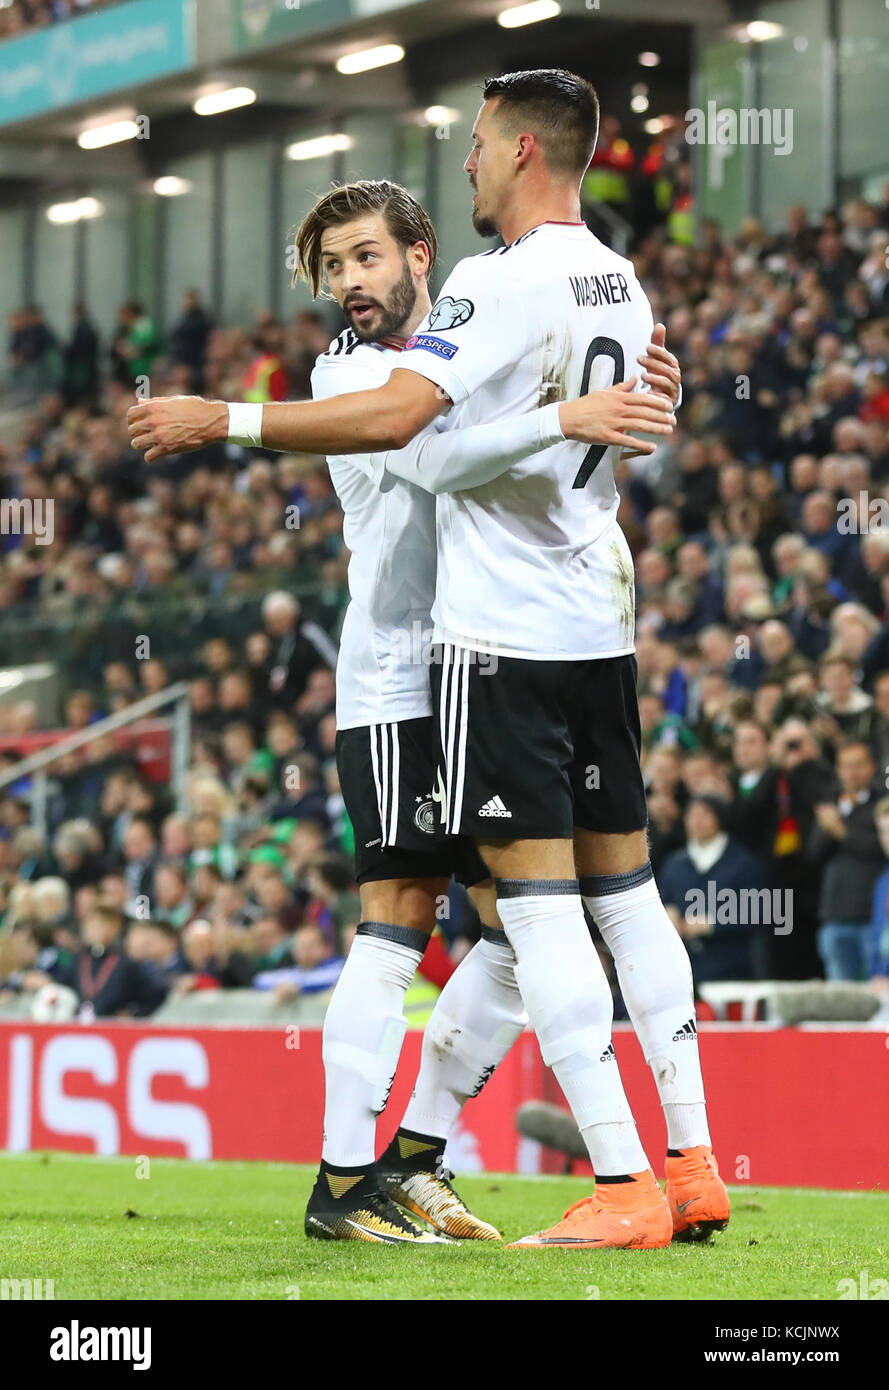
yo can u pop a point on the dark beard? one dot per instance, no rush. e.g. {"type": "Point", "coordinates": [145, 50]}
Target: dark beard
{"type": "Point", "coordinates": [396, 311]}
{"type": "Point", "coordinates": [485, 226]}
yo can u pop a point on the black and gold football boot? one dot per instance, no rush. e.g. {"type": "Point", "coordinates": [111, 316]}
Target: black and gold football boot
{"type": "Point", "coordinates": [349, 1205]}
{"type": "Point", "coordinates": [413, 1173]}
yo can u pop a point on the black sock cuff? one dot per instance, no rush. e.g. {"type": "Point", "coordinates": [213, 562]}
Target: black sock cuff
{"type": "Point", "coordinates": [497, 938]}
{"type": "Point", "coordinates": [614, 1178]}
{"type": "Point", "coordinates": [339, 1171]}
{"type": "Point", "coordinates": [431, 1139]}
{"type": "Point", "coordinates": [535, 887]}
{"type": "Point", "coordinates": [603, 885]}
{"type": "Point", "coordinates": [412, 937]}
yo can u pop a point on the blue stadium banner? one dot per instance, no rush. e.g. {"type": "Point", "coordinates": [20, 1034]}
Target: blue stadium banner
{"type": "Point", "coordinates": [257, 23]}
{"type": "Point", "coordinates": [95, 54]}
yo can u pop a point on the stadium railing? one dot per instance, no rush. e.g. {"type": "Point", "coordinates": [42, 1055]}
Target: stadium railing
{"type": "Point", "coordinates": [37, 764]}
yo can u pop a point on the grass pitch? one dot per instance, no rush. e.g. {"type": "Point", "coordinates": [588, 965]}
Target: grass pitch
{"type": "Point", "coordinates": [234, 1231]}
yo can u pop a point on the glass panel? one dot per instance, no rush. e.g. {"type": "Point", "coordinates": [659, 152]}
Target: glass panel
{"type": "Point", "coordinates": [792, 70]}
{"type": "Point", "coordinates": [106, 261]}
{"type": "Point", "coordinates": [863, 64]}
{"type": "Point", "coordinates": [12, 259]}
{"type": "Point", "coordinates": [452, 198]}
{"type": "Point", "coordinates": [189, 231]}
{"type": "Point", "coordinates": [247, 232]}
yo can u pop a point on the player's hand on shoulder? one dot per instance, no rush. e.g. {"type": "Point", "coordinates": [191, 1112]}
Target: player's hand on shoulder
{"type": "Point", "coordinates": [613, 415]}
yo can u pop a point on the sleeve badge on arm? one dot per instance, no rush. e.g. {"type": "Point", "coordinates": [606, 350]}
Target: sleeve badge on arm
{"type": "Point", "coordinates": [450, 313]}
{"type": "Point", "coordinates": [431, 344]}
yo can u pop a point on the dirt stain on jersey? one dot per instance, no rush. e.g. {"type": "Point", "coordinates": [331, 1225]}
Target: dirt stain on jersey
{"type": "Point", "coordinates": [623, 591]}
{"type": "Point", "coordinates": [556, 366]}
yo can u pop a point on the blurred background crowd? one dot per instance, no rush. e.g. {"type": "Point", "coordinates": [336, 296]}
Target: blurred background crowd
{"type": "Point", "coordinates": [762, 587]}
{"type": "Point", "coordinates": [19, 16]}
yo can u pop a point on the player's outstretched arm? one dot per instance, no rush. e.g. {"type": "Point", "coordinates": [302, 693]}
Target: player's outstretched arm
{"type": "Point", "coordinates": [387, 417]}
{"type": "Point", "coordinates": [457, 460]}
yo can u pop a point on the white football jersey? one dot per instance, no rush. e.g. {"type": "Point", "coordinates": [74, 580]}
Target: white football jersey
{"type": "Point", "coordinates": [534, 564]}
{"type": "Point", "coordinates": [383, 672]}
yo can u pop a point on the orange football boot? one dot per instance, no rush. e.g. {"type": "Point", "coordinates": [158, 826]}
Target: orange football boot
{"type": "Point", "coordinates": [698, 1198]}
{"type": "Point", "coordinates": [628, 1215]}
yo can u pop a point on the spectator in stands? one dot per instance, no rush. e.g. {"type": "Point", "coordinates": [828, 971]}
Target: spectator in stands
{"type": "Point", "coordinates": [77, 849]}
{"type": "Point", "coordinates": [140, 852]}
{"type": "Point", "coordinates": [845, 840]}
{"type": "Point", "coordinates": [334, 905]}
{"type": "Point", "coordinates": [711, 871]}
{"type": "Point", "coordinates": [298, 647]}
{"type": "Point", "coordinates": [775, 820]}
{"type": "Point", "coordinates": [52, 908]}
{"type": "Point", "coordinates": [878, 945]}
{"type": "Point", "coordinates": [25, 961]}
{"type": "Point", "coordinates": [209, 962]}
{"type": "Point", "coordinates": [315, 967]}
{"type": "Point", "coordinates": [848, 709]}
{"type": "Point", "coordinates": [80, 359]}
{"type": "Point", "coordinates": [173, 903]}
{"type": "Point", "coordinates": [304, 796]}
{"type": "Point", "coordinates": [107, 981]}
{"type": "Point", "coordinates": [135, 346]}
{"type": "Point", "coordinates": [33, 352]}
{"type": "Point", "coordinates": [155, 945]}
{"type": "Point", "coordinates": [750, 755]}
{"type": "Point", "coordinates": [189, 339]}
{"type": "Point", "coordinates": [271, 943]}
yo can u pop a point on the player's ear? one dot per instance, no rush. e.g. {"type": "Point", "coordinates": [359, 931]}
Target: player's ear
{"type": "Point", "coordinates": [419, 258]}
{"type": "Point", "coordinates": [525, 145]}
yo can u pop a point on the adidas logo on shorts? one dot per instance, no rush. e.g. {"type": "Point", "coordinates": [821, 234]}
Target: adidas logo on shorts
{"type": "Point", "coordinates": [494, 807]}
{"type": "Point", "coordinates": [608, 1055]}
{"type": "Point", "coordinates": [687, 1033]}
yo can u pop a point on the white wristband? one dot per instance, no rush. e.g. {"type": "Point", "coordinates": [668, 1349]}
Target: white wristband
{"type": "Point", "coordinates": [245, 424]}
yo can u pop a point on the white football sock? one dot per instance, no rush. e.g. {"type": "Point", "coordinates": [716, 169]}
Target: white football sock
{"type": "Point", "coordinates": [569, 1005]}
{"type": "Point", "coordinates": [364, 1029]}
{"type": "Point", "coordinates": [655, 979]}
{"type": "Point", "coordinates": [476, 1019]}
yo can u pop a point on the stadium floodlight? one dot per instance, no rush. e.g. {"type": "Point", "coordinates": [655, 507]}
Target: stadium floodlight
{"type": "Point", "coordinates": [75, 211]}
{"type": "Point", "coordinates": [761, 30]}
{"type": "Point", "coordinates": [214, 103]}
{"type": "Point", "coordinates": [320, 146]}
{"type": "Point", "coordinates": [639, 103]}
{"type": "Point", "coordinates": [656, 126]}
{"type": "Point", "coordinates": [517, 15]}
{"type": "Point", "coordinates": [97, 136]}
{"type": "Point", "coordinates": [441, 115]}
{"type": "Point", "coordinates": [649, 60]}
{"type": "Point", "coordinates": [169, 186]}
{"type": "Point", "coordinates": [367, 58]}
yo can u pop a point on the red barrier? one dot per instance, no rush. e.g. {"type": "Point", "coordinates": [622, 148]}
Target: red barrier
{"type": "Point", "coordinates": [148, 741]}
{"type": "Point", "coordinates": [804, 1108]}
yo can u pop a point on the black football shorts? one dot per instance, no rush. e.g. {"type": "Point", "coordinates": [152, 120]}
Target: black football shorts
{"type": "Point", "coordinates": [533, 749]}
{"type": "Point", "coordinates": [388, 777]}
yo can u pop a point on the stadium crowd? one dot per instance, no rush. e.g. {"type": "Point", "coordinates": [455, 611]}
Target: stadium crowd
{"type": "Point", "coordinates": [20, 16]}
{"type": "Point", "coordinates": [762, 564]}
